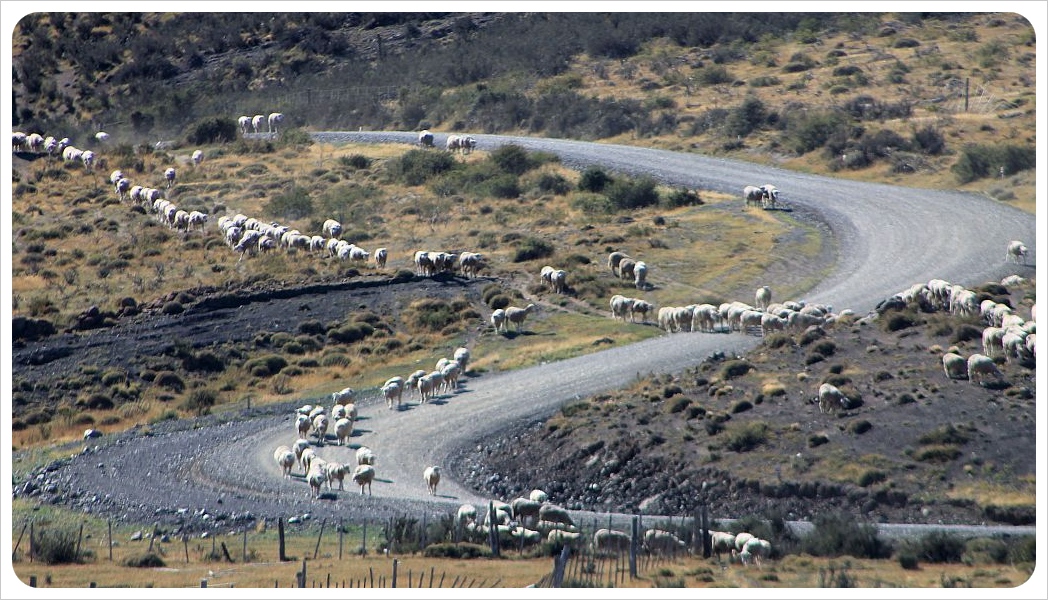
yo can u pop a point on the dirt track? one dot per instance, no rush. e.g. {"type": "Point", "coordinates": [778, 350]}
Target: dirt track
{"type": "Point", "coordinates": [889, 238]}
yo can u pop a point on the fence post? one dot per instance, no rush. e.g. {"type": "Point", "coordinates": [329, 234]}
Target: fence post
{"type": "Point", "coordinates": [245, 545]}
{"type": "Point", "coordinates": [280, 539]}
{"type": "Point", "coordinates": [111, 543]}
{"type": "Point", "coordinates": [303, 583]}
{"type": "Point", "coordinates": [340, 539]}
{"type": "Point", "coordinates": [203, 582]}
{"type": "Point", "coordinates": [31, 548]}
{"type": "Point", "coordinates": [317, 549]}
{"type": "Point", "coordinates": [32, 581]}
{"type": "Point", "coordinates": [634, 537]}
{"type": "Point", "coordinates": [79, 538]}
{"type": "Point", "coordinates": [364, 541]}
{"type": "Point", "coordinates": [395, 563]}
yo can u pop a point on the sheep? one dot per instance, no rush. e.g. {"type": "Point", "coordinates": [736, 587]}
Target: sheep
{"type": "Point", "coordinates": [770, 322]}
{"type": "Point", "coordinates": [320, 427]}
{"type": "Point", "coordinates": [832, 399]}
{"type": "Point", "coordinates": [754, 195]}
{"type": "Point", "coordinates": [626, 269]}
{"type": "Point", "coordinates": [763, 297]}
{"type": "Point", "coordinates": [425, 138]}
{"type": "Point", "coordinates": [299, 447]}
{"type": "Point", "coordinates": [559, 536]}
{"type": "Point", "coordinates": [461, 143]}
{"type": "Point", "coordinates": [757, 549]}
{"type": "Point", "coordinates": [516, 315]}
{"type": "Point", "coordinates": [273, 120]}
{"type": "Point", "coordinates": [336, 471]}
{"type": "Point", "coordinates": [302, 425]}
{"type": "Point", "coordinates": [428, 384]}
{"type": "Point", "coordinates": [559, 281]}
{"type": "Point", "coordinates": [381, 255]}
{"type": "Point", "coordinates": [198, 157]}
{"type": "Point", "coordinates": [343, 431]}
{"type": "Point", "coordinates": [256, 123]}
{"type": "Point", "coordinates": [524, 509]}
{"type": "Point", "coordinates": [993, 341]}
{"type": "Point", "coordinates": [423, 264]}
{"type": "Point", "coordinates": [343, 396]}
{"type": "Point", "coordinates": [245, 124]}
{"type": "Point", "coordinates": [980, 365]}
{"type": "Point", "coordinates": [88, 158]}
{"type": "Point", "coordinates": [1016, 249]}
{"type": "Point", "coordinates": [411, 382]}
{"type": "Point", "coordinates": [451, 373]}
{"type": "Point", "coordinates": [34, 142]}
{"type": "Point", "coordinates": [453, 142]}
{"type": "Point", "coordinates": [955, 366]}
{"type": "Point", "coordinates": [741, 538]}
{"type": "Point", "coordinates": [498, 320]}
{"type": "Point", "coordinates": [431, 475]}
{"type": "Point", "coordinates": [197, 218]}
{"type": "Point", "coordinates": [332, 228]}
{"type": "Point", "coordinates": [546, 275]}
{"type": "Point", "coordinates": [611, 539]}
{"type": "Point", "coordinates": [538, 496]}
{"type": "Point", "coordinates": [722, 541]}
{"type": "Point", "coordinates": [620, 305]}
{"type": "Point", "coordinates": [462, 357]}
{"type": "Point", "coordinates": [393, 389]}
{"type": "Point", "coordinates": [663, 542]}
{"type": "Point", "coordinates": [316, 476]}
{"type": "Point", "coordinates": [640, 275]}
{"type": "Point", "coordinates": [613, 261]}
{"type": "Point", "coordinates": [71, 154]}
{"type": "Point", "coordinates": [102, 137]}
{"type": "Point", "coordinates": [285, 458]}
{"type": "Point", "coordinates": [365, 456]}
{"type": "Point", "coordinates": [470, 263]}
{"type": "Point", "coordinates": [466, 514]}
{"type": "Point", "coordinates": [169, 175]}
{"type": "Point", "coordinates": [363, 475]}
{"type": "Point", "coordinates": [18, 141]}
{"type": "Point", "coordinates": [555, 514]}
{"type": "Point", "coordinates": [121, 186]}
{"type": "Point", "coordinates": [771, 196]}
{"type": "Point", "coordinates": [641, 307]}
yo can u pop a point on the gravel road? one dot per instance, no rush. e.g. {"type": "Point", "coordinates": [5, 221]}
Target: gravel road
{"type": "Point", "coordinates": [888, 237]}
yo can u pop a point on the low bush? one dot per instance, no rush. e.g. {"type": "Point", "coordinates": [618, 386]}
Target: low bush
{"type": "Point", "coordinates": [462, 550]}
{"type": "Point", "coordinates": [837, 534]}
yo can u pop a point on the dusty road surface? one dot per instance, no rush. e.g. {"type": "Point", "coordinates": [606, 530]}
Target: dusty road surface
{"type": "Point", "coordinates": [222, 468]}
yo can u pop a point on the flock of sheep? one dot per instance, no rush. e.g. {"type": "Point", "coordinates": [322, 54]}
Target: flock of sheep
{"type": "Point", "coordinates": [765, 196]}
{"type": "Point", "coordinates": [455, 142]}
{"type": "Point", "coordinates": [254, 124]}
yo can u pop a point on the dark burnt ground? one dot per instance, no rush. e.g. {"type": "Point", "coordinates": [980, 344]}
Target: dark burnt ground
{"type": "Point", "coordinates": [920, 449]}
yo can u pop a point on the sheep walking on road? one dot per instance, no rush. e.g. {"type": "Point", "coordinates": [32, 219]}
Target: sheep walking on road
{"type": "Point", "coordinates": [1016, 251]}
{"type": "Point", "coordinates": [363, 475]}
{"type": "Point", "coordinates": [425, 138]}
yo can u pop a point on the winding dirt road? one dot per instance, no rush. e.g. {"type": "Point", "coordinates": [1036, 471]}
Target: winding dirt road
{"type": "Point", "coordinates": [888, 237]}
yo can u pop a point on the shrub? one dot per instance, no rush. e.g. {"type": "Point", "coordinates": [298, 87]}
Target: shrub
{"type": "Point", "coordinates": [200, 401]}
{"type": "Point", "coordinates": [746, 437]}
{"type": "Point", "coordinates": [169, 380]}
{"type": "Point", "coordinates": [212, 130]}
{"type": "Point", "coordinates": [908, 560]}
{"type": "Point", "coordinates": [292, 204]}
{"type": "Point", "coordinates": [741, 406]}
{"type": "Point", "coordinates": [817, 439]}
{"type": "Point", "coordinates": [937, 453]}
{"type": "Point", "coordinates": [629, 194]}
{"type": "Point", "coordinates": [938, 547]}
{"type": "Point", "coordinates": [148, 560]}
{"type": "Point", "coordinates": [678, 404]}
{"type": "Point", "coordinates": [357, 161]}
{"type": "Point", "coordinates": [860, 427]}
{"type": "Point", "coordinates": [267, 365]}
{"type": "Point", "coordinates": [980, 161]}
{"type": "Point", "coordinates": [553, 183]}
{"type": "Point", "coordinates": [947, 434]}
{"type": "Point", "coordinates": [461, 550]}
{"type": "Point", "coordinates": [172, 308]}
{"type": "Point", "coordinates": [512, 159]}
{"type": "Point", "coordinates": [899, 321]}
{"type": "Point", "coordinates": [415, 167]}
{"type": "Point", "coordinates": [825, 348]}
{"type": "Point", "coordinates": [533, 249]}
{"type": "Point", "coordinates": [836, 534]}
{"type": "Point", "coordinates": [594, 179]}
{"type": "Point", "coordinates": [930, 141]}
{"type": "Point", "coordinates": [56, 546]}
{"type": "Point", "coordinates": [351, 332]}
{"type": "Point", "coordinates": [429, 315]}
{"type": "Point", "coordinates": [680, 197]}
{"type": "Point", "coordinates": [735, 368]}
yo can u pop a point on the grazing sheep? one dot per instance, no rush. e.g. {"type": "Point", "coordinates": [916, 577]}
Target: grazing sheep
{"type": "Point", "coordinates": [467, 514]}
{"type": "Point", "coordinates": [256, 123]}
{"type": "Point", "coordinates": [613, 261]}
{"type": "Point", "coordinates": [363, 475]}
{"type": "Point", "coordinates": [425, 138]}
{"type": "Point", "coordinates": [245, 124]}
{"type": "Point", "coordinates": [663, 542]}
{"type": "Point", "coordinates": [620, 305]}
{"type": "Point", "coordinates": [102, 137]}
{"type": "Point", "coordinates": [365, 456]}
{"type": "Point", "coordinates": [411, 382]}
{"type": "Point", "coordinates": [722, 541]}
{"type": "Point", "coordinates": [517, 315]}
{"type": "Point", "coordinates": [381, 255]}
{"type": "Point", "coordinates": [979, 366]}
{"type": "Point", "coordinates": [642, 308]}
{"type": "Point", "coordinates": [555, 514]}
{"type": "Point", "coordinates": [198, 157]}
{"type": "Point", "coordinates": [197, 218]}
{"type": "Point", "coordinates": [756, 549]}
{"type": "Point", "coordinates": [470, 263]}
{"type": "Point", "coordinates": [546, 274]}
{"type": "Point", "coordinates": [770, 323]}
{"type": "Point", "coordinates": [274, 120]}
{"type": "Point", "coordinates": [741, 538]}
{"type": "Point", "coordinates": [393, 389]}
{"type": "Point", "coordinates": [771, 196]}
{"type": "Point", "coordinates": [627, 267]}
{"type": "Point", "coordinates": [955, 366]}
{"type": "Point", "coordinates": [498, 320]}
{"type": "Point", "coordinates": [605, 539]}
{"type": "Point", "coordinates": [169, 175]}
{"type": "Point", "coordinates": [1016, 249]}
{"type": "Point", "coordinates": [285, 458]}
{"type": "Point", "coordinates": [993, 341]}
{"type": "Point", "coordinates": [559, 281]}
{"type": "Point", "coordinates": [88, 158]}
{"type": "Point", "coordinates": [432, 477]}
{"type": "Point", "coordinates": [122, 186]}
{"type": "Point", "coordinates": [831, 399]}
{"type": "Point", "coordinates": [763, 297]}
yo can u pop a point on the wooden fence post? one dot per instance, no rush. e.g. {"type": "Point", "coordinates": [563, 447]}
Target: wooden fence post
{"type": "Point", "coordinates": [364, 540]}
{"type": "Point", "coordinates": [79, 538]}
{"type": "Point", "coordinates": [111, 543]}
{"type": "Point", "coordinates": [634, 541]}
{"type": "Point", "coordinates": [185, 545]}
{"type": "Point", "coordinates": [19, 542]}
{"type": "Point", "coordinates": [317, 549]}
{"type": "Point", "coordinates": [280, 539]}
{"type": "Point", "coordinates": [395, 563]}
{"type": "Point", "coordinates": [245, 546]}
{"type": "Point", "coordinates": [340, 539]}
{"type": "Point", "coordinates": [31, 549]}
{"type": "Point", "coordinates": [303, 584]}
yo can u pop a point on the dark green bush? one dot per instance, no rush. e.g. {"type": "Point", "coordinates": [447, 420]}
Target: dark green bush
{"type": "Point", "coordinates": [429, 315]}
{"type": "Point", "coordinates": [677, 404]}
{"type": "Point", "coordinates": [505, 186]}
{"type": "Point", "coordinates": [533, 249]}
{"type": "Point", "coordinates": [267, 365]}
{"type": "Point", "coordinates": [415, 167]}
{"type": "Point", "coordinates": [741, 406]}
{"type": "Point", "coordinates": [947, 434]}
{"type": "Point", "coordinates": [463, 550]}
{"type": "Point", "coordinates": [860, 427]}
{"type": "Point", "coordinates": [553, 183]}
{"type": "Point", "coordinates": [746, 436]}
{"type": "Point", "coordinates": [980, 161]}
{"type": "Point", "coordinates": [148, 560]}
{"type": "Point", "coordinates": [200, 401]}
{"type": "Point", "coordinates": [839, 534]}
{"type": "Point", "coordinates": [357, 161]}
{"type": "Point", "coordinates": [594, 179]}
{"type": "Point", "coordinates": [735, 368]}
{"type": "Point", "coordinates": [817, 439]}
{"type": "Point", "coordinates": [930, 140]}
{"type": "Point", "coordinates": [350, 332]}
{"type": "Point", "coordinates": [292, 204]}
{"type": "Point", "coordinates": [908, 560]}
{"type": "Point", "coordinates": [938, 547]}
{"type": "Point", "coordinates": [169, 380]}
{"type": "Point", "coordinates": [629, 194]}
{"type": "Point", "coordinates": [55, 546]}
{"type": "Point", "coordinates": [212, 130]}
{"type": "Point", "coordinates": [714, 75]}
{"type": "Point", "coordinates": [899, 321]}
{"type": "Point", "coordinates": [825, 348]}
{"type": "Point", "coordinates": [512, 159]}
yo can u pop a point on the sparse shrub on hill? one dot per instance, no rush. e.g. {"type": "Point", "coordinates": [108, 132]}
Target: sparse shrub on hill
{"type": "Point", "coordinates": [533, 249]}
{"type": "Point", "coordinates": [839, 534]}
{"type": "Point", "coordinates": [212, 130]}
{"type": "Point", "coordinates": [980, 161]}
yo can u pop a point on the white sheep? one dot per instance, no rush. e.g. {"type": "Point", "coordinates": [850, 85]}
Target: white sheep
{"type": "Point", "coordinates": [316, 476]}
{"type": "Point", "coordinates": [763, 297]}
{"type": "Point", "coordinates": [498, 320]}
{"type": "Point", "coordinates": [555, 514]}
{"type": "Point", "coordinates": [393, 389]}
{"type": "Point", "coordinates": [343, 396]}
{"type": "Point", "coordinates": [381, 255]}
{"type": "Point", "coordinates": [756, 548]}
{"type": "Point", "coordinates": [722, 541]}
{"type": "Point", "coordinates": [979, 366]}
{"type": "Point", "coordinates": [256, 123]}
{"type": "Point", "coordinates": [245, 124]}
{"type": "Point", "coordinates": [88, 158]}
{"type": "Point", "coordinates": [336, 471]}
{"type": "Point", "coordinates": [613, 261]}
{"type": "Point", "coordinates": [430, 385]}
{"type": "Point", "coordinates": [365, 456]}
{"type": "Point", "coordinates": [754, 195]}
{"type": "Point", "coordinates": [122, 186]}
{"type": "Point", "coordinates": [169, 175]}
{"type": "Point", "coordinates": [466, 514]}
{"type": "Point", "coordinates": [102, 137]}
{"type": "Point", "coordinates": [640, 275]}
{"type": "Point", "coordinates": [462, 357]}
{"type": "Point", "coordinates": [425, 138]}
{"type": "Point", "coordinates": [285, 458]}
{"type": "Point", "coordinates": [300, 446]}
{"type": "Point", "coordinates": [626, 269]}
{"type": "Point", "coordinates": [363, 475]}
{"type": "Point", "coordinates": [302, 425]}
{"type": "Point", "coordinates": [320, 427]}
{"type": "Point", "coordinates": [832, 399]}
{"type": "Point", "coordinates": [198, 157]}
{"type": "Point", "coordinates": [559, 281]}
{"type": "Point", "coordinates": [470, 263]}
{"type": "Point", "coordinates": [1016, 250]}
{"type": "Point", "coordinates": [451, 372]}
{"type": "Point", "coordinates": [274, 120]}
{"type": "Point", "coordinates": [605, 539]}
{"type": "Point", "coordinates": [411, 382]}
{"type": "Point", "coordinates": [620, 305]}
{"type": "Point", "coordinates": [343, 431]}
{"type": "Point", "coordinates": [431, 475]}
{"type": "Point", "coordinates": [663, 542]}
{"type": "Point", "coordinates": [332, 228]}
{"type": "Point", "coordinates": [954, 366]}
{"type": "Point", "coordinates": [771, 196]}
{"type": "Point", "coordinates": [517, 315]}
{"type": "Point", "coordinates": [993, 341]}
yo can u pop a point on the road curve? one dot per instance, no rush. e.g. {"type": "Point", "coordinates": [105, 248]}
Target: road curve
{"type": "Point", "coordinates": [889, 238]}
